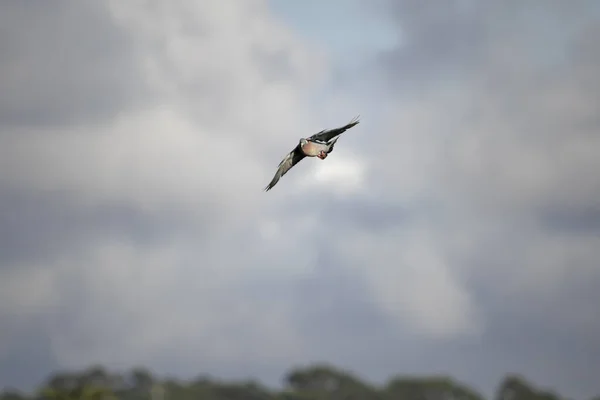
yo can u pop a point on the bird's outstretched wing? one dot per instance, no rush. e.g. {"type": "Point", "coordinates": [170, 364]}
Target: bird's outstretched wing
{"type": "Point", "coordinates": [291, 159]}
{"type": "Point", "coordinates": [327, 135]}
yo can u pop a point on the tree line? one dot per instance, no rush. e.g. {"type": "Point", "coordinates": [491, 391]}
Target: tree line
{"type": "Point", "coordinates": [316, 382]}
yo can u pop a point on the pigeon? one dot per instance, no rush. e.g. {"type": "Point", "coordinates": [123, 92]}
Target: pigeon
{"type": "Point", "coordinates": [318, 145]}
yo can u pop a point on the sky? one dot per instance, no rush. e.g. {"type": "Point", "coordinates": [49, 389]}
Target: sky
{"type": "Point", "coordinates": [455, 230]}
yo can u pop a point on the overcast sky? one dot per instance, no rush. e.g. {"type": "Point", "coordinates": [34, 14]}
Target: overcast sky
{"type": "Point", "coordinates": [455, 230]}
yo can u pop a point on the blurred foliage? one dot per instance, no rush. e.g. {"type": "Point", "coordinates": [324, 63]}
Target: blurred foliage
{"type": "Point", "coordinates": [316, 382]}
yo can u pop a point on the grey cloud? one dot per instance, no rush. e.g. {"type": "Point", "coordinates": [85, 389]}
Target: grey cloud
{"type": "Point", "coordinates": [541, 336]}
{"type": "Point", "coordinates": [65, 63]}
{"type": "Point", "coordinates": [316, 302]}
{"type": "Point", "coordinates": [37, 227]}
{"type": "Point", "coordinates": [582, 220]}
{"type": "Point", "coordinates": [29, 358]}
{"type": "Point", "coordinates": [361, 213]}
{"type": "Point", "coordinates": [447, 35]}
{"type": "Point", "coordinates": [462, 39]}
{"type": "Point", "coordinates": [275, 64]}
{"type": "Point", "coordinates": [497, 108]}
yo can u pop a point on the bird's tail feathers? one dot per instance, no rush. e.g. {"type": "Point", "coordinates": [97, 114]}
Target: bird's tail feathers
{"type": "Point", "coordinates": [355, 121]}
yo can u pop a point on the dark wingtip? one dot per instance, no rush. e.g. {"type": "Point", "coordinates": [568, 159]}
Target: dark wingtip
{"type": "Point", "coordinates": [355, 121]}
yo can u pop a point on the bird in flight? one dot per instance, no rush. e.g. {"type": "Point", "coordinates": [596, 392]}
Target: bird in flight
{"type": "Point", "coordinates": [318, 145]}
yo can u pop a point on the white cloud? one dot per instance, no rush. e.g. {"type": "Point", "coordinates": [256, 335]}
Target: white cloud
{"type": "Point", "coordinates": [413, 283]}
{"type": "Point", "coordinates": [342, 173]}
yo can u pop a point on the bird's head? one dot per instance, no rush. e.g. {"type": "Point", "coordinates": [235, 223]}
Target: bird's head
{"type": "Point", "coordinates": [303, 142]}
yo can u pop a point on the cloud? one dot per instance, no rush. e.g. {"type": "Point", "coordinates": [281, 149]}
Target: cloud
{"type": "Point", "coordinates": [491, 143]}
{"type": "Point", "coordinates": [455, 228]}
{"type": "Point", "coordinates": [112, 217]}
{"type": "Point", "coordinates": [68, 64]}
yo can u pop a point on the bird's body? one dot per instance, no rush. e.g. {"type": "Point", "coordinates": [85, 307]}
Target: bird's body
{"type": "Point", "coordinates": [318, 145]}
{"type": "Point", "coordinates": [313, 149]}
